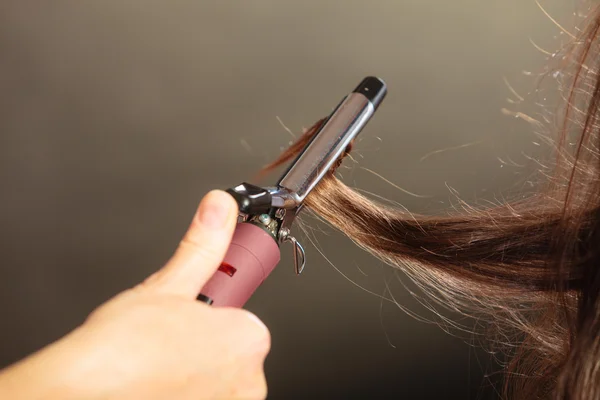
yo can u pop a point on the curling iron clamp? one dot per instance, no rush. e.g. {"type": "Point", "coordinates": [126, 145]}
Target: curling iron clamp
{"type": "Point", "coordinates": [266, 214]}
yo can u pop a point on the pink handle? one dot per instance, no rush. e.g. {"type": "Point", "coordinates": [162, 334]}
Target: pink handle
{"type": "Point", "coordinates": [251, 257]}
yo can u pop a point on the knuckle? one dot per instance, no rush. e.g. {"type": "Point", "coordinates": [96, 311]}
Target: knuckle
{"type": "Point", "coordinates": [255, 331]}
{"type": "Point", "coordinates": [257, 328]}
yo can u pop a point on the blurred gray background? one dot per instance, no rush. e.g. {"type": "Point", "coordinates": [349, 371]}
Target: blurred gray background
{"type": "Point", "coordinates": [116, 117]}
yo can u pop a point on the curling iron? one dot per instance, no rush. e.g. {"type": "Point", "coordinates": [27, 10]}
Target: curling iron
{"type": "Point", "coordinates": [266, 214]}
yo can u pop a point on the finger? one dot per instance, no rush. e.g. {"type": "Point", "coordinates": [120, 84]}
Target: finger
{"type": "Point", "coordinates": [202, 249]}
{"type": "Point", "coordinates": [246, 333]}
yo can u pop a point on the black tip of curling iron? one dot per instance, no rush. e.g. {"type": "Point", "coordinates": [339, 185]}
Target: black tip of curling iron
{"type": "Point", "coordinates": [373, 89]}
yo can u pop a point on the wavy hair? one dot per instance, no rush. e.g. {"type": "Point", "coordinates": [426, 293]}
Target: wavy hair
{"type": "Point", "coordinates": [531, 267]}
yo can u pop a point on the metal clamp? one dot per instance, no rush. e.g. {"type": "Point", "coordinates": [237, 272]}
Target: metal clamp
{"type": "Point", "coordinates": [299, 253]}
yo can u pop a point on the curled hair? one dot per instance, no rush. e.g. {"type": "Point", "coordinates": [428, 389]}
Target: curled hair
{"type": "Point", "coordinates": [530, 266]}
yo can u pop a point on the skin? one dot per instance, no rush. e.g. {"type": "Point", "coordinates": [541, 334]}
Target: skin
{"type": "Point", "coordinates": [155, 341]}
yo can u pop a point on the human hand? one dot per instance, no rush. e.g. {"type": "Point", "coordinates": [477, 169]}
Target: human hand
{"type": "Point", "coordinates": [156, 341]}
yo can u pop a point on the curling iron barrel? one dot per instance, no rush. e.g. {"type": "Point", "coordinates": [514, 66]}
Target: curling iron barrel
{"type": "Point", "coordinates": [267, 214]}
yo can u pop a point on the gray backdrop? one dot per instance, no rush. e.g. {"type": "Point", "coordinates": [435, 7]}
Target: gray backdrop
{"type": "Point", "coordinates": [117, 116]}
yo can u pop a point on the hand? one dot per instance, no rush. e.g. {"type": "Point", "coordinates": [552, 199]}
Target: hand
{"type": "Point", "coordinates": [156, 341]}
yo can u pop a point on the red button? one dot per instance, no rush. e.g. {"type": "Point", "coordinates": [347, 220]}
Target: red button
{"type": "Point", "coordinates": [228, 269]}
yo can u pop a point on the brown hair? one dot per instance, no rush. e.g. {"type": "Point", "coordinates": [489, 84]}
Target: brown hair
{"type": "Point", "coordinates": [531, 266]}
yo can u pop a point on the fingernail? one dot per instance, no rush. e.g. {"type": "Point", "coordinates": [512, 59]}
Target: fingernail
{"type": "Point", "coordinates": [214, 209]}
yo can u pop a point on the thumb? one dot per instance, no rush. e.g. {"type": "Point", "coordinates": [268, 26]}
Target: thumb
{"type": "Point", "coordinates": [202, 249]}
